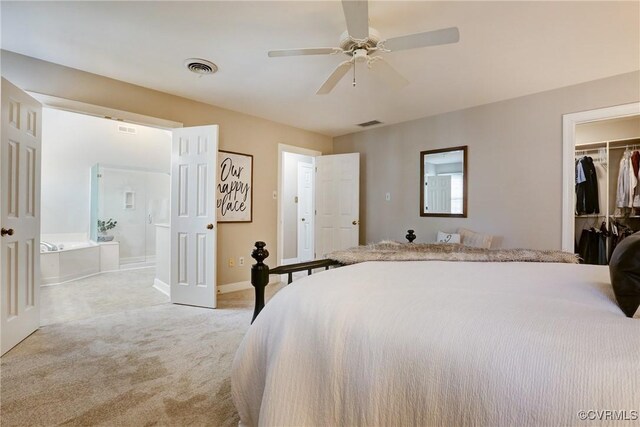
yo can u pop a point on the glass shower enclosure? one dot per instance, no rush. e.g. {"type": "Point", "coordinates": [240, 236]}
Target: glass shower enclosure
{"type": "Point", "coordinates": [137, 199]}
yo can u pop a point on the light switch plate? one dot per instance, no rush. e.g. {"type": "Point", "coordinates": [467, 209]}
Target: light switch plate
{"type": "Point", "coordinates": [387, 197]}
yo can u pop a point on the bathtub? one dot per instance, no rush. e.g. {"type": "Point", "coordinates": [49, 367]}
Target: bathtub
{"type": "Point", "coordinates": [70, 260]}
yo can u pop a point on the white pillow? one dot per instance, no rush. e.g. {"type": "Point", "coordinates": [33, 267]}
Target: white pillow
{"type": "Point", "coordinates": [448, 237]}
{"type": "Point", "coordinates": [475, 240]}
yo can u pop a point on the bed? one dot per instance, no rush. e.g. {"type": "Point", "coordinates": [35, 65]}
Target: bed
{"type": "Point", "coordinates": [441, 343]}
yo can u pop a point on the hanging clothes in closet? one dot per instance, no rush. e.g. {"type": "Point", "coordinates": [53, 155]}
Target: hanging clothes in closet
{"type": "Point", "coordinates": [635, 163]}
{"type": "Point", "coordinates": [619, 232]}
{"type": "Point", "coordinates": [586, 187]}
{"type": "Point", "coordinates": [592, 248]}
{"type": "Point", "coordinates": [627, 194]}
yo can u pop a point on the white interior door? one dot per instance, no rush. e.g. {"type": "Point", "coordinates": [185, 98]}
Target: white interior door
{"type": "Point", "coordinates": [193, 216]}
{"type": "Point", "coordinates": [305, 212]}
{"type": "Point", "coordinates": [19, 216]}
{"type": "Point", "coordinates": [337, 202]}
{"type": "Point", "coordinates": [439, 193]}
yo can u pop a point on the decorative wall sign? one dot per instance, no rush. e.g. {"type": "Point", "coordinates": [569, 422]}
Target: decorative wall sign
{"type": "Point", "coordinates": [234, 194]}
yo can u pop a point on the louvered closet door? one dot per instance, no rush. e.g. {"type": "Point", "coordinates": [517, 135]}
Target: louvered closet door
{"type": "Point", "coordinates": [193, 216]}
{"type": "Point", "coordinates": [19, 216]}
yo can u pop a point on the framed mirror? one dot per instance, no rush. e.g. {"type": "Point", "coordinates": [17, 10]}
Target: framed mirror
{"type": "Point", "coordinates": [443, 182]}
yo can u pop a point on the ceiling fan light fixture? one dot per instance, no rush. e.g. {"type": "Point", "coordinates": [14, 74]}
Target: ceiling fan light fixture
{"type": "Point", "coordinates": [200, 66]}
{"type": "Point", "coordinates": [363, 44]}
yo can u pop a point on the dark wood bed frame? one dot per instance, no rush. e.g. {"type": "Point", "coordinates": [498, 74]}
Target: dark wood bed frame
{"type": "Point", "coordinates": [260, 271]}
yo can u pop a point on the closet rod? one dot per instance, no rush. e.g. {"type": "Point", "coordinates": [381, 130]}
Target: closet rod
{"type": "Point", "coordinates": [590, 150]}
{"type": "Point", "coordinates": [609, 141]}
{"type": "Point", "coordinates": [626, 147]}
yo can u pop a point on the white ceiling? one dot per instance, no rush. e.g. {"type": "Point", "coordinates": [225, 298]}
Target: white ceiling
{"type": "Point", "coordinates": [506, 49]}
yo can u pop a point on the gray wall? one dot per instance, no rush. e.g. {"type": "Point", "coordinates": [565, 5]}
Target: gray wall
{"type": "Point", "coordinates": [514, 171]}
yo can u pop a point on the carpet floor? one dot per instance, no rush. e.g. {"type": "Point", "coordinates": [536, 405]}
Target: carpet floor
{"type": "Point", "coordinates": [85, 298]}
{"type": "Point", "coordinates": [159, 365]}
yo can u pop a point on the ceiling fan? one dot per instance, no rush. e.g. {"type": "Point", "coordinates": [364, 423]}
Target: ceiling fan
{"type": "Point", "coordinates": [363, 44]}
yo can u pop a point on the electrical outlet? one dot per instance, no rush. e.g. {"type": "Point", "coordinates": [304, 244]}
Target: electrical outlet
{"type": "Point", "coordinates": [387, 197]}
{"type": "Point", "coordinates": [232, 263]}
{"type": "Point", "coordinates": [241, 260]}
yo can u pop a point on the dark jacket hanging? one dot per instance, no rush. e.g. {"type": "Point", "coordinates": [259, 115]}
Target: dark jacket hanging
{"type": "Point", "coordinates": [586, 187]}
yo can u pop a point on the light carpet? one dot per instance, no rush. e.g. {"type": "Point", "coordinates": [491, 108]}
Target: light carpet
{"type": "Point", "coordinates": [160, 365]}
{"type": "Point", "coordinates": [103, 293]}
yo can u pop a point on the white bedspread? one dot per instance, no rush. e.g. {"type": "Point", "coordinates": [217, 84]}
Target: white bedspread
{"type": "Point", "coordinates": [441, 343]}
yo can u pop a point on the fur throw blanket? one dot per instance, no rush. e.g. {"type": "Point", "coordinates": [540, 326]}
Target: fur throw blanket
{"type": "Point", "coordinates": [394, 251]}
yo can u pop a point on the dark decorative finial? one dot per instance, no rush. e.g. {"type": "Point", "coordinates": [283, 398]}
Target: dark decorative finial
{"type": "Point", "coordinates": [410, 236]}
{"type": "Point", "coordinates": [260, 253]}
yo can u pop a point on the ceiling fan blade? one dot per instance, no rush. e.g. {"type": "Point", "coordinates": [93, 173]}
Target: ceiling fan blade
{"type": "Point", "coordinates": [334, 78]}
{"type": "Point", "coordinates": [388, 73]}
{"type": "Point", "coordinates": [356, 12]}
{"type": "Point", "coordinates": [428, 38]}
{"type": "Point", "coordinates": [308, 51]}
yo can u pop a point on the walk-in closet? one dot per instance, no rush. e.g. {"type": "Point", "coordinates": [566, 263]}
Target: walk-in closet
{"type": "Point", "coordinates": [607, 195]}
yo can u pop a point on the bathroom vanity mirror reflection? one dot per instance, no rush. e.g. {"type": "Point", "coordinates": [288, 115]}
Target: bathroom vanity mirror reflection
{"type": "Point", "coordinates": [443, 182]}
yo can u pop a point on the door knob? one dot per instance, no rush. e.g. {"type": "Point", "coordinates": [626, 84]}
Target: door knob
{"type": "Point", "coordinates": [4, 232]}
{"type": "Point", "coordinates": [302, 219]}
{"type": "Point", "coordinates": [355, 222]}
{"type": "Point", "coordinates": [209, 226]}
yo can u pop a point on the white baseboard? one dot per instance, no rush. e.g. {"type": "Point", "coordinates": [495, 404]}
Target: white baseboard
{"type": "Point", "coordinates": [287, 261]}
{"type": "Point", "coordinates": [162, 287]}
{"type": "Point", "coordinates": [233, 287]}
{"type": "Point", "coordinates": [241, 286]}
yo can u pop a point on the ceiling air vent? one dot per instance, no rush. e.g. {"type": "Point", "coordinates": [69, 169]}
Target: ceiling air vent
{"type": "Point", "coordinates": [200, 66]}
{"type": "Point", "coordinates": [370, 123]}
{"type": "Point", "coordinates": [127, 129]}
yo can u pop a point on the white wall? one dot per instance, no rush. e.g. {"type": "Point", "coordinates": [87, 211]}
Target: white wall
{"type": "Point", "coordinates": [289, 206]}
{"type": "Point", "coordinates": [71, 145]}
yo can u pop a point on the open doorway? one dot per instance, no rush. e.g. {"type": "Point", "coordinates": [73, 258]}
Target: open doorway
{"type": "Point", "coordinates": [607, 191]}
{"type": "Point", "coordinates": [187, 243]}
{"type": "Point", "coordinates": [296, 208]}
{"type": "Point", "coordinates": [101, 208]}
{"type": "Point", "coordinates": [601, 137]}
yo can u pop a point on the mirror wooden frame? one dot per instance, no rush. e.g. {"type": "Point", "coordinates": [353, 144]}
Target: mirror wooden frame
{"type": "Point", "coordinates": [423, 154]}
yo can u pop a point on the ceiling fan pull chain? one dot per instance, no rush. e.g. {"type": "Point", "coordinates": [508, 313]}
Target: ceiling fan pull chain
{"type": "Point", "coordinates": [354, 74]}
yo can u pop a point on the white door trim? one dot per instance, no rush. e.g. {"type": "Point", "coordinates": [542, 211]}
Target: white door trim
{"type": "Point", "coordinates": [282, 148]}
{"type": "Point", "coordinates": [569, 122]}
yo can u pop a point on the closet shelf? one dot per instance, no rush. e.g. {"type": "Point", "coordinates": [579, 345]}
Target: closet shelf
{"type": "Point", "coordinates": [629, 216]}
{"type": "Point", "coordinates": [591, 216]}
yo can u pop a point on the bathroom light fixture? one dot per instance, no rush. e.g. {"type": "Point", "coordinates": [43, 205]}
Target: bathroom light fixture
{"type": "Point", "coordinates": [200, 66]}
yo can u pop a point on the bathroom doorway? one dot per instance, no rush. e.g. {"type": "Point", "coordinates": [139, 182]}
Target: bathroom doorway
{"type": "Point", "coordinates": [105, 190]}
